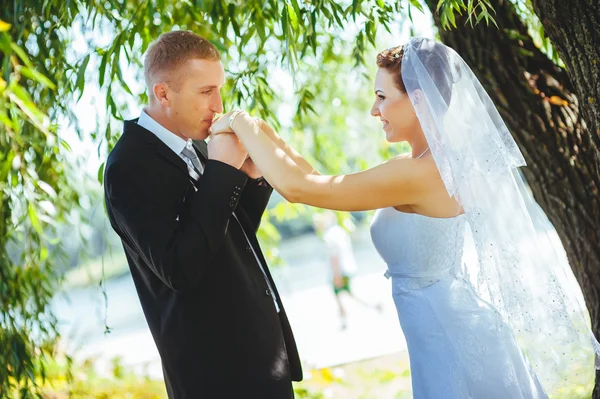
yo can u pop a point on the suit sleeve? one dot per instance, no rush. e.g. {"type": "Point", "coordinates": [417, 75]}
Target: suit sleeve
{"type": "Point", "coordinates": [254, 201]}
{"type": "Point", "coordinates": [177, 251]}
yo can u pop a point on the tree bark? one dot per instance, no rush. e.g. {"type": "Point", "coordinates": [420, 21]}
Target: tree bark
{"type": "Point", "coordinates": [574, 28]}
{"type": "Point", "coordinates": [540, 106]}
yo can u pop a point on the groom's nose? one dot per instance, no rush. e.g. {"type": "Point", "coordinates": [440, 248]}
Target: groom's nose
{"type": "Point", "coordinates": [217, 104]}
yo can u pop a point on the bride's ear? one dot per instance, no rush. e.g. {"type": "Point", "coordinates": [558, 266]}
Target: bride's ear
{"type": "Point", "coordinates": [418, 99]}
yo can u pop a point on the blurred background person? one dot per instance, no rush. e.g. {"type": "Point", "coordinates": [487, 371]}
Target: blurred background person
{"type": "Point", "coordinates": [341, 260]}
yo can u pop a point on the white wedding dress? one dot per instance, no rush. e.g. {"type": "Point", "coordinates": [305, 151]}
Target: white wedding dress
{"type": "Point", "coordinates": [459, 347]}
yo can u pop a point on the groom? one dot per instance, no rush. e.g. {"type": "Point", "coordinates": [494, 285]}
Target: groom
{"type": "Point", "coordinates": [187, 215]}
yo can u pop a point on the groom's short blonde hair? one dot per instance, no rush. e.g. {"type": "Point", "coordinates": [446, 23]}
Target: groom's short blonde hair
{"type": "Point", "coordinates": [168, 54]}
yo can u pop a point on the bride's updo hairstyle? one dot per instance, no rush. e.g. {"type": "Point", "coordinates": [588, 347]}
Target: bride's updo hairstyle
{"type": "Point", "coordinates": [391, 60]}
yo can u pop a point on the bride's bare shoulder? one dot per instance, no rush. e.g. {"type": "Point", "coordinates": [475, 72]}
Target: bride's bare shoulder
{"type": "Point", "coordinates": [406, 155]}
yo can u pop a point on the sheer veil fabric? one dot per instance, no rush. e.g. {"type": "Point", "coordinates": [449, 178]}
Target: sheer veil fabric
{"type": "Point", "coordinates": [520, 268]}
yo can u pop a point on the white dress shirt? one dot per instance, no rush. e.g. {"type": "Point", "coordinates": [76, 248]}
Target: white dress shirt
{"type": "Point", "coordinates": [173, 141]}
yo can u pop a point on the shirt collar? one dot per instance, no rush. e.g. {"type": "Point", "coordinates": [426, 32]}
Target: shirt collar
{"type": "Point", "coordinates": [173, 141]}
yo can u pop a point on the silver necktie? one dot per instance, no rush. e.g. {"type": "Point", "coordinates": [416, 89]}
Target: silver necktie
{"type": "Point", "coordinates": [191, 155]}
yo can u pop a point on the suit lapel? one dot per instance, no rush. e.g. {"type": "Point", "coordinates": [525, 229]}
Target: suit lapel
{"type": "Point", "coordinates": [160, 148]}
{"type": "Point", "coordinates": [167, 154]}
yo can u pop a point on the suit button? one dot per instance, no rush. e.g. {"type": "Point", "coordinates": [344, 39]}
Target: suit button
{"type": "Point", "coordinates": [268, 292]}
{"type": "Point", "coordinates": [248, 248]}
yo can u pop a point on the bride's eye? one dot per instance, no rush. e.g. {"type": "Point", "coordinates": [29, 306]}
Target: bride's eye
{"type": "Point", "coordinates": [380, 97]}
{"type": "Point", "coordinates": [206, 92]}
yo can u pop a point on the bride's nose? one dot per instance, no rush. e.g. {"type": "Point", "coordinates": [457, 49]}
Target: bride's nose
{"type": "Point", "coordinates": [374, 110]}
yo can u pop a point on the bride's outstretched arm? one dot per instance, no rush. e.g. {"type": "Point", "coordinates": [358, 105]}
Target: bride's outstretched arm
{"type": "Point", "coordinates": [397, 182]}
{"type": "Point", "coordinates": [291, 152]}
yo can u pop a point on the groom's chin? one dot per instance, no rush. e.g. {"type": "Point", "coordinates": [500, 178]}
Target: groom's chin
{"type": "Point", "coordinates": [200, 134]}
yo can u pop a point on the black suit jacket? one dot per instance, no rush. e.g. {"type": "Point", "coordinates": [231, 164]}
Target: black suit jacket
{"type": "Point", "coordinates": [203, 294]}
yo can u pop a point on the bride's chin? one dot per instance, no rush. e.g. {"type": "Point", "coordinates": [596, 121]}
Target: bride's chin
{"type": "Point", "coordinates": [390, 137]}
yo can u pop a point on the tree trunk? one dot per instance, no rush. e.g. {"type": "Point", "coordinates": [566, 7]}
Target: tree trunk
{"type": "Point", "coordinates": [574, 28]}
{"type": "Point", "coordinates": [540, 106]}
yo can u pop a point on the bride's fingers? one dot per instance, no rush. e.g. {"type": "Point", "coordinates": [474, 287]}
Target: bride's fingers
{"type": "Point", "coordinates": [218, 132]}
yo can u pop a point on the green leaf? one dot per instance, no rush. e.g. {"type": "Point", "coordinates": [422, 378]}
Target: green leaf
{"type": "Point", "coordinates": [22, 55]}
{"type": "Point", "coordinates": [284, 23]}
{"type": "Point", "coordinates": [24, 102]}
{"type": "Point", "coordinates": [33, 218]}
{"type": "Point", "coordinates": [441, 3]}
{"type": "Point", "coordinates": [43, 254]}
{"type": "Point", "coordinates": [354, 8]}
{"type": "Point", "coordinates": [101, 174]}
{"type": "Point", "coordinates": [102, 69]}
{"type": "Point", "coordinates": [479, 17]}
{"type": "Point", "coordinates": [451, 18]}
{"type": "Point", "coordinates": [444, 18]}
{"type": "Point", "coordinates": [417, 4]}
{"type": "Point", "coordinates": [80, 83]}
{"type": "Point", "coordinates": [64, 144]}
{"type": "Point", "coordinates": [5, 120]}
{"type": "Point", "coordinates": [122, 81]}
{"type": "Point", "coordinates": [38, 77]}
{"type": "Point", "coordinates": [296, 6]}
{"type": "Point", "coordinates": [293, 17]}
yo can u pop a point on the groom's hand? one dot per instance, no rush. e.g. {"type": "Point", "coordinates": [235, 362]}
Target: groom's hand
{"type": "Point", "coordinates": [250, 169]}
{"type": "Point", "coordinates": [220, 127]}
{"type": "Point", "coordinates": [227, 149]}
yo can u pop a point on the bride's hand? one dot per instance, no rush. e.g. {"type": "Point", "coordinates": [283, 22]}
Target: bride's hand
{"type": "Point", "coordinates": [222, 123]}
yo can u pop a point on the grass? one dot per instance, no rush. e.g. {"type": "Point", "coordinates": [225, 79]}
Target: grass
{"type": "Point", "coordinates": [382, 378]}
{"type": "Point", "coordinates": [386, 377]}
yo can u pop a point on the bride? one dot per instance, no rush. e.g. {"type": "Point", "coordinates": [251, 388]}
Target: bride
{"type": "Point", "coordinates": [507, 324]}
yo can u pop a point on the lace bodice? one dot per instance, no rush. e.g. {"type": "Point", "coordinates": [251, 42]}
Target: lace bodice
{"type": "Point", "coordinates": [416, 248]}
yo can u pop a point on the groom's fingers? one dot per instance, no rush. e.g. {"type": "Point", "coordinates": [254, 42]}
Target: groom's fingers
{"type": "Point", "coordinates": [227, 148]}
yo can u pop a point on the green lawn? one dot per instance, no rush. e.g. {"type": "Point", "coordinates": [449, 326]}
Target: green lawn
{"type": "Point", "coordinates": [381, 378]}
{"type": "Point", "coordinates": [386, 377]}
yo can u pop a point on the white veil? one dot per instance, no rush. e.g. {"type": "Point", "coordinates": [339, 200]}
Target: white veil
{"type": "Point", "coordinates": [521, 268]}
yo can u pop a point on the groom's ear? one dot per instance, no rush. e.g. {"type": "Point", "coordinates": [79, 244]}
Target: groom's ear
{"type": "Point", "coordinates": [161, 93]}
